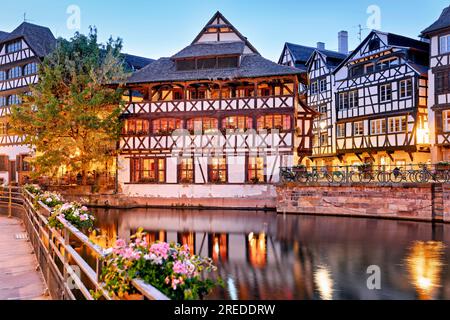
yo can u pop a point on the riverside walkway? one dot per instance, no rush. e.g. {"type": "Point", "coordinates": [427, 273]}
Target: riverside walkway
{"type": "Point", "coordinates": [19, 277]}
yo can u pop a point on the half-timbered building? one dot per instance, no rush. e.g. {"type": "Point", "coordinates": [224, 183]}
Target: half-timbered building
{"type": "Point", "coordinates": [439, 86]}
{"type": "Point", "coordinates": [214, 120]}
{"type": "Point", "coordinates": [21, 52]}
{"type": "Point", "coordinates": [320, 97]}
{"type": "Point", "coordinates": [381, 102]}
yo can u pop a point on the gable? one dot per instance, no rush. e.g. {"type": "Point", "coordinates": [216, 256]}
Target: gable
{"type": "Point", "coordinates": [373, 44]}
{"type": "Point", "coordinates": [219, 29]}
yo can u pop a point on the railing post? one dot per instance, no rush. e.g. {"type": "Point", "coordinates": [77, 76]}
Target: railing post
{"type": "Point", "coordinates": [10, 202]}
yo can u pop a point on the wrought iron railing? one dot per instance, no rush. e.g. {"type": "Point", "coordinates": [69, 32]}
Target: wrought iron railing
{"type": "Point", "coordinates": [367, 173]}
{"type": "Point", "coordinates": [69, 274]}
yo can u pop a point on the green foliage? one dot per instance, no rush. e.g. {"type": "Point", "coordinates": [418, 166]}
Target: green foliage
{"type": "Point", "coordinates": [170, 268]}
{"type": "Point", "coordinates": [72, 115]}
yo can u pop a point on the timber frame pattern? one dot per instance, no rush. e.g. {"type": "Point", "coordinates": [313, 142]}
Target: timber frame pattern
{"type": "Point", "coordinates": [255, 89]}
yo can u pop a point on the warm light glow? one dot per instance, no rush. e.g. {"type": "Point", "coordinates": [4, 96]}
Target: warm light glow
{"type": "Point", "coordinates": [423, 136]}
{"type": "Point", "coordinates": [257, 249]}
{"type": "Point", "coordinates": [425, 265]}
{"type": "Point", "coordinates": [324, 283]}
{"type": "Point", "coordinates": [323, 125]}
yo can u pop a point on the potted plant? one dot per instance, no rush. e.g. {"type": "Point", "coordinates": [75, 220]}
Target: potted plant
{"type": "Point", "coordinates": [443, 166]}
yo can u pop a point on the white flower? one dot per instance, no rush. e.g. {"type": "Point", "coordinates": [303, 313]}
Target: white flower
{"type": "Point", "coordinates": [108, 251]}
{"type": "Point", "coordinates": [49, 200]}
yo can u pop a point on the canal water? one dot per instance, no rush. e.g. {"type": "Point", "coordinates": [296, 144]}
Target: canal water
{"type": "Point", "coordinates": [268, 256]}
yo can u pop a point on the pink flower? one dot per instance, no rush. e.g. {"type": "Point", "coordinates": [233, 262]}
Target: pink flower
{"type": "Point", "coordinates": [84, 208]}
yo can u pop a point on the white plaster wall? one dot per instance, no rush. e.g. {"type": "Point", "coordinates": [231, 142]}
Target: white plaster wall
{"type": "Point", "coordinates": [172, 170]}
{"type": "Point", "coordinates": [198, 191]}
{"type": "Point", "coordinates": [236, 169]}
{"type": "Point", "coordinates": [12, 152]}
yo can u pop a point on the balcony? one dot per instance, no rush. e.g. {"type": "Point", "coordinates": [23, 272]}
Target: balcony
{"type": "Point", "coordinates": [232, 104]}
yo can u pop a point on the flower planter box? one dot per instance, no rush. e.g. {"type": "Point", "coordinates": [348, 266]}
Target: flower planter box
{"type": "Point", "coordinates": [133, 297]}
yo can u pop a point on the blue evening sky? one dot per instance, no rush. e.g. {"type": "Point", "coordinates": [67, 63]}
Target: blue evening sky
{"type": "Point", "coordinates": [156, 28]}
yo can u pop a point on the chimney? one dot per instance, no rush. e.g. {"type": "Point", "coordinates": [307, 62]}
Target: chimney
{"type": "Point", "coordinates": [320, 45]}
{"type": "Point", "coordinates": [343, 42]}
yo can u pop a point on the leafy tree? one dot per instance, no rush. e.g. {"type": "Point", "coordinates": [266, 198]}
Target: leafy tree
{"type": "Point", "coordinates": [71, 117]}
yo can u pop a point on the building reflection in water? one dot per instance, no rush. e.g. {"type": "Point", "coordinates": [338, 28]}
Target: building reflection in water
{"type": "Point", "coordinates": [324, 283]}
{"type": "Point", "coordinates": [425, 262]}
{"type": "Point", "coordinates": [257, 250]}
{"type": "Point", "coordinates": [218, 247]}
{"type": "Point", "coordinates": [262, 255]}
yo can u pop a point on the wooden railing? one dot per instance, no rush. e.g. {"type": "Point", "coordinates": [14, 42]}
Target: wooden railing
{"type": "Point", "coordinates": [68, 274]}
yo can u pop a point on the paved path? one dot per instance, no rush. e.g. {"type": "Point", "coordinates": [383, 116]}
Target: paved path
{"type": "Point", "coordinates": [19, 279]}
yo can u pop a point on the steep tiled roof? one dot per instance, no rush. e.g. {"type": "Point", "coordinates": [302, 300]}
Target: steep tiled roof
{"type": "Point", "coordinates": [3, 35]}
{"type": "Point", "coordinates": [40, 39]}
{"type": "Point", "coordinates": [134, 63]}
{"type": "Point", "coordinates": [301, 55]}
{"type": "Point", "coordinates": [211, 49]}
{"type": "Point", "coordinates": [441, 23]}
{"type": "Point", "coordinates": [252, 65]}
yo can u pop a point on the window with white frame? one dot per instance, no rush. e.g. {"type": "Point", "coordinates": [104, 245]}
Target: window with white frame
{"type": "Point", "coordinates": [30, 68]}
{"type": "Point", "coordinates": [406, 88]}
{"type": "Point", "coordinates": [343, 100]}
{"type": "Point", "coordinates": [397, 124]}
{"type": "Point", "coordinates": [444, 44]}
{"type": "Point", "coordinates": [387, 63]}
{"type": "Point", "coordinates": [385, 92]}
{"type": "Point", "coordinates": [353, 99]}
{"type": "Point", "coordinates": [358, 128]}
{"type": "Point", "coordinates": [314, 87]}
{"type": "Point", "coordinates": [340, 130]}
{"type": "Point", "coordinates": [2, 75]}
{"type": "Point", "coordinates": [446, 119]}
{"type": "Point", "coordinates": [323, 85]}
{"type": "Point", "coordinates": [378, 126]}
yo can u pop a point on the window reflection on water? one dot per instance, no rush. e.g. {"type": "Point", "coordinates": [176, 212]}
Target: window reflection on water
{"type": "Point", "coordinates": [269, 256]}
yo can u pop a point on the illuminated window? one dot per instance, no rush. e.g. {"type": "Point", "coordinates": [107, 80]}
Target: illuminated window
{"type": "Point", "coordinates": [136, 127]}
{"type": "Point", "coordinates": [3, 129]}
{"type": "Point", "coordinates": [166, 125]}
{"type": "Point", "coordinates": [446, 119]}
{"type": "Point", "coordinates": [358, 128]}
{"type": "Point", "coordinates": [378, 126]}
{"type": "Point", "coordinates": [237, 122]}
{"type": "Point", "coordinates": [256, 170]}
{"type": "Point", "coordinates": [202, 124]}
{"type": "Point", "coordinates": [218, 170]}
{"type": "Point", "coordinates": [148, 170]}
{"type": "Point", "coordinates": [397, 124]}
{"type": "Point", "coordinates": [277, 121]}
{"type": "Point", "coordinates": [186, 172]}
{"type": "Point", "coordinates": [324, 139]}
{"type": "Point", "coordinates": [406, 88]}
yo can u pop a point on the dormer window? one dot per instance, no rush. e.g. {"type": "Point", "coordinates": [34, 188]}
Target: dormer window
{"type": "Point", "coordinates": [14, 47]}
{"type": "Point", "coordinates": [208, 63]}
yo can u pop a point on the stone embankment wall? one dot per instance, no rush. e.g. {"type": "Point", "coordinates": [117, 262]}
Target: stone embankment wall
{"type": "Point", "coordinates": [425, 202]}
